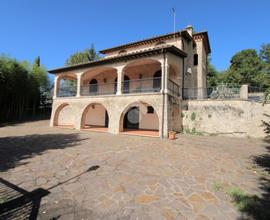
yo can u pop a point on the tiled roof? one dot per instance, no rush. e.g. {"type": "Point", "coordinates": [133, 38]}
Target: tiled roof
{"type": "Point", "coordinates": [124, 57]}
{"type": "Point", "coordinates": [148, 40]}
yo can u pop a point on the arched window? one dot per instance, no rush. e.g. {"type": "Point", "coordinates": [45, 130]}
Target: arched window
{"type": "Point", "coordinates": [195, 59]}
{"type": "Point", "coordinates": [157, 81]}
{"type": "Point", "coordinates": [93, 86]}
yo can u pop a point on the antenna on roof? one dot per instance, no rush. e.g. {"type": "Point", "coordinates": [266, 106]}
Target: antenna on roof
{"type": "Point", "coordinates": [173, 10]}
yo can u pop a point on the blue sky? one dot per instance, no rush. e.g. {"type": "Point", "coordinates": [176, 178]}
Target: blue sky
{"type": "Point", "coordinates": [54, 29]}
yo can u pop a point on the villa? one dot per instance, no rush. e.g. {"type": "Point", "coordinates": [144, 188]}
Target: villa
{"type": "Point", "coordinates": [137, 88]}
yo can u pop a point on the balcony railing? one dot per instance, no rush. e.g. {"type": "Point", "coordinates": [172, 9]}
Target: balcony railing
{"type": "Point", "coordinates": [67, 91]}
{"type": "Point", "coordinates": [173, 88]}
{"type": "Point", "coordinates": [99, 89]}
{"type": "Point", "coordinates": [148, 85]}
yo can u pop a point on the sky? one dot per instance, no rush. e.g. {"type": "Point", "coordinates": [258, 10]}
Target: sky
{"type": "Point", "coordinates": [54, 29]}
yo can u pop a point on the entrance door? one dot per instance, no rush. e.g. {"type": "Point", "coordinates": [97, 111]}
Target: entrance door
{"type": "Point", "coordinates": [106, 119]}
{"type": "Point", "coordinates": [131, 119]}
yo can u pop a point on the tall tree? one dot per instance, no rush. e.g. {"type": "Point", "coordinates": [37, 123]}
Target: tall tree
{"type": "Point", "coordinates": [246, 68]}
{"type": "Point", "coordinates": [83, 56]}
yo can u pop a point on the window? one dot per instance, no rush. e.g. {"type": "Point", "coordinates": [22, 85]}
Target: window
{"type": "Point", "coordinates": [150, 110]}
{"type": "Point", "coordinates": [195, 60]}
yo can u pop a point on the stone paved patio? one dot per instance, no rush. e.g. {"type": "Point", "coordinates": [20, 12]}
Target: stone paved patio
{"type": "Point", "coordinates": [137, 178]}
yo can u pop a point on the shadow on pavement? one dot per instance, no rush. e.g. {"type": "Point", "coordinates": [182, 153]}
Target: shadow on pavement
{"type": "Point", "coordinates": [16, 148]}
{"type": "Point", "coordinates": [253, 206]}
{"type": "Point", "coordinates": [16, 203]}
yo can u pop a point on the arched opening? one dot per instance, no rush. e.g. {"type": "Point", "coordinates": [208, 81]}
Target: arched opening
{"type": "Point", "coordinates": [98, 81]}
{"type": "Point", "coordinates": [140, 118]}
{"type": "Point", "coordinates": [126, 84]}
{"type": "Point", "coordinates": [63, 116]}
{"type": "Point", "coordinates": [115, 85]}
{"type": "Point", "coordinates": [157, 81]}
{"type": "Point", "coordinates": [140, 74]}
{"type": "Point", "coordinates": [67, 85]}
{"type": "Point", "coordinates": [93, 86]}
{"type": "Point", "coordinates": [95, 117]}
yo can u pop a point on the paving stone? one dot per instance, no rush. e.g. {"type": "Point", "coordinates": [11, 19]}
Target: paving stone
{"type": "Point", "coordinates": [138, 178]}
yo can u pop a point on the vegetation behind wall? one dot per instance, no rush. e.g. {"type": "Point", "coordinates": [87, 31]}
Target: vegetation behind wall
{"type": "Point", "coordinates": [24, 88]}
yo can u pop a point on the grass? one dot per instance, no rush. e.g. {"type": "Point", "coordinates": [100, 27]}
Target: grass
{"type": "Point", "coordinates": [2, 200]}
{"type": "Point", "coordinates": [242, 200]}
{"type": "Point", "coordinates": [218, 186]}
{"type": "Point", "coordinates": [193, 131]}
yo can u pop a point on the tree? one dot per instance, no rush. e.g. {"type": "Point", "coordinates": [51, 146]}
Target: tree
{"type": "Point", "coordinates": [265, 53]}
{"type": "Point", "coordinates": [246, 68]}
{"type": "Point", "coordinates": [40, 83]}
{"type": "Point", "coordinates": [85, 56]}
{"type": "Point", "coordinates": [21, 86]}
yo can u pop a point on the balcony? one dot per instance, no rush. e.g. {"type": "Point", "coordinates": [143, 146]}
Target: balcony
{"type": "Point", "coordinates": [146, 85]}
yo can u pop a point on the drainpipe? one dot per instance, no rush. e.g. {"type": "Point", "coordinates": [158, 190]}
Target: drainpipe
{"type": "Point", "coordinates": [183, 76]}
{"type": "Point", "coordinates": [163, 97]}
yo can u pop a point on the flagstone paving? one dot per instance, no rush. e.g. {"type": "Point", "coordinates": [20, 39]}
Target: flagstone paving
{"type": "Point", "coordinates": [137, 178]}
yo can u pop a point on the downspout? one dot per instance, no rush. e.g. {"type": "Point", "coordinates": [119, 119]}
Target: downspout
{"type": "Point", "coordinates": [163, 96]}
{"type": "Point", "coordinates": [183, 77]}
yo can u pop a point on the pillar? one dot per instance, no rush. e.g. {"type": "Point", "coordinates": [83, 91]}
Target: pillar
{"type": "Point", "coordinates": [120, 76]}
{"type": "Point", "coordinates": [79, 76]}
{"type": "Point", "coordinates": [164, 90]}
{"type": "Point", "coordinates": [244, 92]}
{"type": "Point", "coordinates": [56, 86]}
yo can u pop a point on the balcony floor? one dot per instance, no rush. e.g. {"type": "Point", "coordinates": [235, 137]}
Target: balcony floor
{"type": "Point", "coordinates": [141, 132]}
{"type": "Point", "coordinates": [95, 128]}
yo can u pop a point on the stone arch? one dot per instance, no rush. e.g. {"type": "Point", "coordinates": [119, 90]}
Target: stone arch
{"type": "Point", "coordinates": [148, 118]}
{"type": "Point", "coordinates": [94, 116]}
{"type": "Point", "coordinates": [64, 116]}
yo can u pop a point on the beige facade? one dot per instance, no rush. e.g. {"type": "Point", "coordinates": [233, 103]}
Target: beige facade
{"type": "Point", "coordinates": [137, 86]}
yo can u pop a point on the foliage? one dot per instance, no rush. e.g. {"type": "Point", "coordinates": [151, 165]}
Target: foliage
{"type": "Point", "coordinates": [224, 91]}
{"type": "Point", "coordinates": [83, 56]}
{"type": "Point", "coordinates": [21, 85]}
{"type": "Point", "coordinates": [213, 76]}
{"type": "Point", "coordinates": [193, 116]}
{"type": "Point", "coordinates": [241, 199]}
{"type": "Point", "coordinates": [247, 67]}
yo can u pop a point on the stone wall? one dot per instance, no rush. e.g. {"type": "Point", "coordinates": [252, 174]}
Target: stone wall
{"type": "Point", "coordinates": [224, 117]}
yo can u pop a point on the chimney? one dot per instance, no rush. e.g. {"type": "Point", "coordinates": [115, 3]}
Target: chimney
{"type": "Point", "coordinates": [189, 29]}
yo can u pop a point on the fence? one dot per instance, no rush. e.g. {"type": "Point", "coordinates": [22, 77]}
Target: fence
{"type": "Point", "coordinates": [256, 93]}
{"type": "Point", "coordinates": [219, 92]}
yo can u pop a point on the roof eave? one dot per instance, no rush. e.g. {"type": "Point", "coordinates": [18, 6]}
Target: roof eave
{"type": "Point", "coordinates": [147, 41]}
{"type": "Point", "coordinates": [130, 56]}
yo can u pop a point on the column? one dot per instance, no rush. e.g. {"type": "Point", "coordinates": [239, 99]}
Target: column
{"type": "Point", "coordinates": [120, 76]}
{"type": "Point", "coordinates": [164, 90]}
{"type": "Point", "coordinates": [244, 92]}
{"type": "Point", "coordinates": [56, 85]}
{"type": "Point", "coordinates": [165, 68]}
{"type": "Point", "coordinates": [79, 76]}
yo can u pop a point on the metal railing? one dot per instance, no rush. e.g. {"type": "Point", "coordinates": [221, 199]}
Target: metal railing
{"type": "Point", "coordinates": [256, 93]}
{"type": "Point", "coordinates": [67, 91]}
{"type": "Point", "coordinates": [219, 92]}
{"type": "Point", "coordinates": [99, 89]}
{"type": "Point", "coordinates": [147, 85]}
{"type": "Point", "coordinates": [173, 88]}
